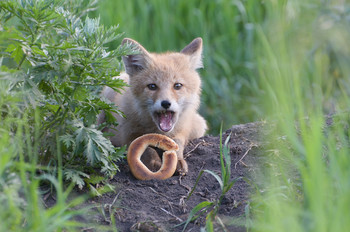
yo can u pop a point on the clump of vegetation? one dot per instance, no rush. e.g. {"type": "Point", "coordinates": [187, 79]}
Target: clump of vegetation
{"type": "Point", "coordinates": [303, 65]}
{"type": "Point", "coordinates": [57, 57]}
{"type": "Point", "coordinates": [54, 62]}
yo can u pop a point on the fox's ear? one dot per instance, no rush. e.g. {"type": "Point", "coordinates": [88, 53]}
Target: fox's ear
{"type": "Point", "coordinates": [194, 50]}
{"type": "Point", "coordinates": [136, 62]}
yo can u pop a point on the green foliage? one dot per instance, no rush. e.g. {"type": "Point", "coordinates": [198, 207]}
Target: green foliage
{"type": "Point", "coordinates": [61, 62]}
{"type": "Point", "coordinates": [225, 182]}
{"type": "Point", "coordinates": [21, 204]}
{"type": "Point", "coordinates": [54, 62]}
{"type": "Point", "coordinates": [303, 63]}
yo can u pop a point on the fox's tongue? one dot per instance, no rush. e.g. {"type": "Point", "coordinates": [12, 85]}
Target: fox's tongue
{"type": "Point", "coordinates": [165, 121]}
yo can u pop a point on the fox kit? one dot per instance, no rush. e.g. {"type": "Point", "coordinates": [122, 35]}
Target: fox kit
{"type": "Point", "coordinates": [163, 97]}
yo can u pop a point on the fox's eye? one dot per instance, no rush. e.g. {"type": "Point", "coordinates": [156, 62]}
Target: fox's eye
{"type": "Point", "coordinates": [177, 86]}
{"type": "Point", "coordinates": [152, 86]}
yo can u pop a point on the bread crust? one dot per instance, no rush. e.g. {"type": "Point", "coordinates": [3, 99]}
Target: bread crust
{"type": "Point", "coordinates": [137, 148]}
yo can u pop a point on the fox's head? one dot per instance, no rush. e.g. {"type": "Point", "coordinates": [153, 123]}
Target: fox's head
{"type": "Point", "coordinates": [165, 85]}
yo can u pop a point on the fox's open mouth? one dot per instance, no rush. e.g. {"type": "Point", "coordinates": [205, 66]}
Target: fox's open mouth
{"type": "Point", "coordinates": [165, 120]}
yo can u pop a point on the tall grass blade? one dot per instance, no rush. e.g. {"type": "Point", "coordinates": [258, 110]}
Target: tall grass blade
{"type": "Point", "coordinates": [200, 208]}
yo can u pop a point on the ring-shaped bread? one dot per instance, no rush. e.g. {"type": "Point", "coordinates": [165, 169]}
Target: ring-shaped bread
{"type": "Point", "coordinates": [137, 148]}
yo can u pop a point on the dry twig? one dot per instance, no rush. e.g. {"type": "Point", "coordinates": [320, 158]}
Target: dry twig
{"type": "Point", "coordinates": [240, 160]}
{"type": "Point", "coordinates": [167, 212]}
{"type": "Point", "coordinates": [193, 149]}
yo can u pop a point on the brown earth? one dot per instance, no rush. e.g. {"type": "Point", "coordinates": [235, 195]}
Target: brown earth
{"type": "Point", "coordinates": [162, 205]}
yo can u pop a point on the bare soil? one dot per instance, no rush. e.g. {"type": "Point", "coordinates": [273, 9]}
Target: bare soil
{"type": "Point", "coordinates": [162, 205]}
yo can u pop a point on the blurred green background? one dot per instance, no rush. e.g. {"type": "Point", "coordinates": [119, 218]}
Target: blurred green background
{"type": "Point", "coordinates": [231, 91]}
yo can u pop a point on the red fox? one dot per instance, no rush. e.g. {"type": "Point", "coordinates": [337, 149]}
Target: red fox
{"type": "Point", "coordinates": [163, 97]}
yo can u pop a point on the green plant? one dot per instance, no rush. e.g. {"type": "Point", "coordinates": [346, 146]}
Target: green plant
{"type": "Point", "coordinates": [303, 62]}
{"type": "Point", "coordinates": [60, 61]}
{"type": "Point", "coordinates": [22, 208]}
{"type": "Point", "coordinates": [211, 208]}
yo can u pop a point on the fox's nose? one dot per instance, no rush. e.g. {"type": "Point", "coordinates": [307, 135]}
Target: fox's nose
{"type": "Point", "coordinates": [165, 104]}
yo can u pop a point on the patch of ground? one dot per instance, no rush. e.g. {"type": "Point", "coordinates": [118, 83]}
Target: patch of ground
{"type": "Point", "coordinates": [161, 205]}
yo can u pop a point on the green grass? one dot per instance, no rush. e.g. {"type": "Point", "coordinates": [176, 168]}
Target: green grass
{"type": "Point", "coordinates": [211, 208]}
{"type": "Point", "coordinates": [22, 207]}
{"type": "Point", "coordinates": [302, 64]}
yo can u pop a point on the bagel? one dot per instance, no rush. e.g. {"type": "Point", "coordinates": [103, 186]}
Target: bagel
{"type": "Point", "coordinates": [137, 148]}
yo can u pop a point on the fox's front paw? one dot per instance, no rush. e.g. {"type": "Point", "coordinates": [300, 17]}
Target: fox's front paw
{"type": "Point", "coordinates": [182, 167]}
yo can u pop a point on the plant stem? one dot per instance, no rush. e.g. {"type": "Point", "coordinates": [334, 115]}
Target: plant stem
{"type": "Point", "coordinates": [21, 62]}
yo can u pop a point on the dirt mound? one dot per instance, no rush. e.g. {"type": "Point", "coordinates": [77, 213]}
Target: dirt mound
{"type": "Point", "coordinates": [161, 205]}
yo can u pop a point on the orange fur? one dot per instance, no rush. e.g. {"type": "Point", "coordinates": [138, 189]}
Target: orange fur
{"type": "Point", "coordinates": [144, 107]}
